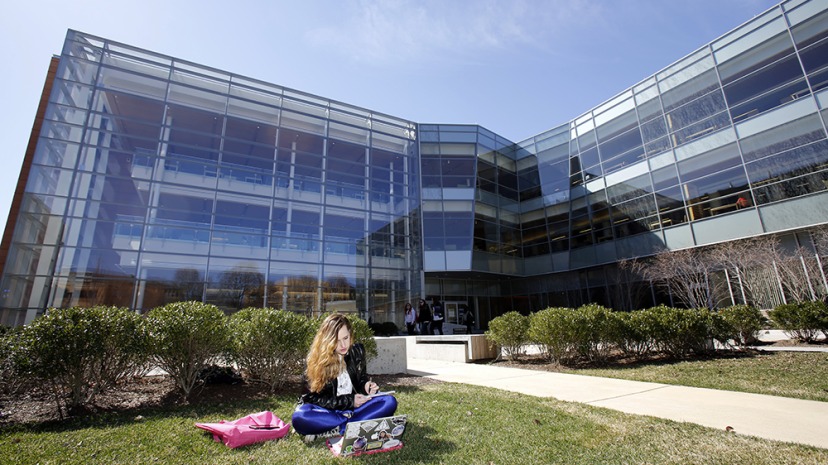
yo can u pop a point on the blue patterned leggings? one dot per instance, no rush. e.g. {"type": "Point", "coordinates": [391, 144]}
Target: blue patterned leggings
{"type": "Point", "coordinates": [313, 419]}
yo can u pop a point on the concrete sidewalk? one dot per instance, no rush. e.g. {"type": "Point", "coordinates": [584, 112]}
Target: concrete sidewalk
{"type": "Point", "coordinates": [769, 417]}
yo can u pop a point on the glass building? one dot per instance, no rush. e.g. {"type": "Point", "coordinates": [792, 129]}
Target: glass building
{"type": "Point", "coordinates": [150, 179]}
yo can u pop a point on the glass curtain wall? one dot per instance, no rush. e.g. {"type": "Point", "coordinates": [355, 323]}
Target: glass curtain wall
{"type": "Point", "coordinates": [731, 130]}
{"type": "Point", "coordinates": [702, 151]}
{"type": "Point", "coordinates": [733, 126]}
{"type": "Point", "coordinates": [448, 159]}
{"type": "Point", "coordinates": [156, 180]}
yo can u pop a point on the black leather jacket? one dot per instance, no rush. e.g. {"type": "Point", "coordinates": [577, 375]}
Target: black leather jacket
{"type": "Point", "coordinates": [327, 398]}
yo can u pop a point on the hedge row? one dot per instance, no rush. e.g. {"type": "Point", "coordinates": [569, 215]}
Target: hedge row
{"type": "Point", "coordinates": [592, 332]}
{"type": "Point", "coordinates": [79, 352]}
{"type": "Point", "coordinates": [803, 320]}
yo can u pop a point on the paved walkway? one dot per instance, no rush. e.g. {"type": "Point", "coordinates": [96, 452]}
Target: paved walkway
{"type": "Point", "coordinates": [769, 417]}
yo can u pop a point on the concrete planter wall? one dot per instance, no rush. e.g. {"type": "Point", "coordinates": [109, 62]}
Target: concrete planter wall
{"type": "Point", "coordinates": [391, 356]}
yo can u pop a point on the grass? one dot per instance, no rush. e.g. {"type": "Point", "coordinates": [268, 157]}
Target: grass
{"type": "Point", "coordinates": [801, 375]}
{"type": "Point", "coordinates": [448, 423]}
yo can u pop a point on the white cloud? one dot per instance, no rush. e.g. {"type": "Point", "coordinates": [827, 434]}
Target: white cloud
{"type": "Point", "coordinates": [393, 31]}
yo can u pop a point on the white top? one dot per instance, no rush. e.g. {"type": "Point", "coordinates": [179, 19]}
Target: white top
{"type": "Point", "coordinates": [344, 385]}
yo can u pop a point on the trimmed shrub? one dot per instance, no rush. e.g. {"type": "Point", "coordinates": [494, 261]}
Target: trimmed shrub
{"type": "Point", "coordinates": [268, 345]}
{"type": "Point", "coordinates": [185, 338]}
{"type": "Point", "coordinates": [801, 320]}
{"type": "Point", "coordinates": [12, 362]}
{"type": "Point", "coordinates": [646, 324]}
{"type": "Point", "coordinates": [510, 331]}
{"type": "Point", "coordinates": [551, 329]}
{"type": "Point", "coordinates": [7, 365]}
{"type": "Point", "coordinates": [362, 334]}
{"type": "Point", "coordinates": [387, 328]}
{"type": "Point", "coordinates": [744, 322]}
{"type": "Point", "coordinates": [679, 332]}
{"type": "Point", "coordinates": [633, 332]}
{"type": "Point", "coordinates": [83, 352]}
{"type": "Point", "coordinates": [822, 320]}
{"type": "Point", "coordinates": [376, 328]}
{"type": "Point", "coordinates": [592, 327]}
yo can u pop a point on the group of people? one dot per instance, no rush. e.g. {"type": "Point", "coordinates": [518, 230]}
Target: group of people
{"type": "Point", "coordinates": [429, 319]}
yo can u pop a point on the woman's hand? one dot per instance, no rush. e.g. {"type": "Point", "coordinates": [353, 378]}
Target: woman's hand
{"type": "Point", "coordinates": [360, 399]}
{"type": "Point", "coordinates": [371, 387]}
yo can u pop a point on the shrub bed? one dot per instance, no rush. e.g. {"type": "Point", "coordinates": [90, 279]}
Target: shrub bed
{"type": "Point", "coordinates": [591, 333]}
{"type": "Point", "coordinates": [802, 320]}
{"type": "Point", "coordinates": [269, 345]}
{"type": "Point", "coordinates": [79, 352]}
{"type": "Point", "coordinates": [511, 332]}
{"type": "Point", "coordinates": [185, 338]}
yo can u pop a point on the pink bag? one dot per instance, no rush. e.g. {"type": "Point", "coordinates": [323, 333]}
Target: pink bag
{"type": "Point", "coordinates": [258, 427]}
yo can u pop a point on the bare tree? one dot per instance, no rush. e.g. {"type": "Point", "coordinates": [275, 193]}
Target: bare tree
{"type": "Point", "coordinates": [764, 283]}
{"type": "Point", "coordinates": [759, 271]}
{"type": "Point", "coordinates": [800, 276]}
{"type": "Point", "coordinates": [819, 236]}
{"type": "Point", "coordinates": [749, 265]}
{"type": "Point", "coordinates": [688, 275]}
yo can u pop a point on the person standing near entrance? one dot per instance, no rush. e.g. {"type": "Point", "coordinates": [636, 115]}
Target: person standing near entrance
{"type": "Point", "coordinates": [410, 319]}
{"type": "Point", "coordinates": [468, 319]}
{"type": "Point", "coordinates": [424, 317]}
{"type": "Point", "coordinates": [438, 316]}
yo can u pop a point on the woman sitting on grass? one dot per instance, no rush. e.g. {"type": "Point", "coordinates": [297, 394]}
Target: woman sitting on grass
{"type": "Point", "coordinates": [337, 386]}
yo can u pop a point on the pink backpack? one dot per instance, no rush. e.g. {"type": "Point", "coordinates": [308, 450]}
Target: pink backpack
{"type": "Point", "coordinates": [258, 427]}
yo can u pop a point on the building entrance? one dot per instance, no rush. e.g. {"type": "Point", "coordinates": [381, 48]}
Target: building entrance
{"type": "Point", "coordinates": [456, 311]}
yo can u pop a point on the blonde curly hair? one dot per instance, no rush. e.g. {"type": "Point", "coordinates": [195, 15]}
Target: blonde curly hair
{"type": "Point", "coordinates": [324, 363]}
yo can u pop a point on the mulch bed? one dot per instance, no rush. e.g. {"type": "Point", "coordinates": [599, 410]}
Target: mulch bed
{"type": "Point", "coordinates": [33, 405]}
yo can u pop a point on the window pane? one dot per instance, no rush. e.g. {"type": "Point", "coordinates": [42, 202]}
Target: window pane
{"type": "Point", "coordinates": [697, 110]}
{"type": "Point", "coordinates": [695, 87]}
{"type": "Point", "coordinates": [630, 189]}
{"type": "Point", "coordinates": [754, 51]}
{"type": "Point", "coordinates": [815, 57]}
{"type": "Point", "coordinates": [624, 160]}
{"type": "Point", "coordinates": [783, 137]}
{"type": "Point", "coordinates": [623, 143]}
{"type": "Point", "coordinates": [795, 187]}
{"type": "Point", "coordinates": [793, 163]}
{"type": "Point", "coordinates": [716, 185]}
{"type": "Point", "coordinates": [658, 146]}
{"type": "Point", "coordinates": [719, 159]}
{"type": "Point", "coordinates": [589, 158]}
{"type": "Point", "coordinates": [775, 75]}
{"type": "Point", "coordinates": [638, 208]}
{"type": "Point", "coordinates": [770, 100]}
{"type": "Point", "coordinates": [695, 131]}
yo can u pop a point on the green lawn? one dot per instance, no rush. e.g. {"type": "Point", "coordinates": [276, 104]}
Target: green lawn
{"type": "Point", "coordinates": [801, 375]}
{"type": "Point", "coordinates": [449, 423]}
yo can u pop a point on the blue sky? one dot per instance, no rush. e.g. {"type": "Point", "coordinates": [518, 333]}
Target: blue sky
{"type": "Point", "coordinates": [516, 67]}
